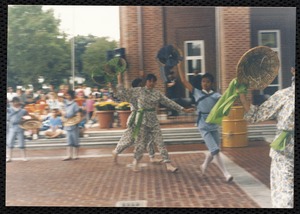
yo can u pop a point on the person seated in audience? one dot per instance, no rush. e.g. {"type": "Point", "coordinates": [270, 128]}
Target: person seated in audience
{"type": "Point", "coordinates": [56, 125]}
{"type": "Point", "coordinates": [45, 118]}
{"type": "Point", "coordinates": [52, 100]}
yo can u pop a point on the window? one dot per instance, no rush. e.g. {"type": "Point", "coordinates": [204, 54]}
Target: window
{"type": "Point", "coordinates": [271, 38]}
{"type": "Point", "coordinates": [194, 58]}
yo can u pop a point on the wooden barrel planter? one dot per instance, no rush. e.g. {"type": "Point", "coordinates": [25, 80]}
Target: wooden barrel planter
{"type": "Point", "coordinates": [234, 128]}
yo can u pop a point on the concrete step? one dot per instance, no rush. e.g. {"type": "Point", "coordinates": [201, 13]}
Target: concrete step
{"type": "Point", "coordinates": [170, 136]}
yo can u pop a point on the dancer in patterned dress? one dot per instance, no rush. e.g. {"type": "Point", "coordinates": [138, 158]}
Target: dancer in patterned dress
{"type": "Point", "coordinates": [127, 139]}
{"type": "Point", "coordinates": [147, 128]}
{"type": "Point", "coordinates": [205, 101]}
{"type": "Point", "coordinates": [280, 106]}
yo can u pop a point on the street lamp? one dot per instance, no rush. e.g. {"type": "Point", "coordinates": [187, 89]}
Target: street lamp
{"type": "Point", "coordinates": [73, 60]}
{"type": "Point", "coordinates": [73, 48]}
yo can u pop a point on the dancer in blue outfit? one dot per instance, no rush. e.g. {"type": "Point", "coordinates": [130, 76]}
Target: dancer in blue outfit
{"type": "Point", "coordinates": [14, 117]}
{"type": "Point", "coordinates": [71, 109]}
{"type": "Point", "coordinates": [205, 100]}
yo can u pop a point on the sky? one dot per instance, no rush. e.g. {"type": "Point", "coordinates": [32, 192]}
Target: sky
{"type": "Point", "coordinates": [101, 21]}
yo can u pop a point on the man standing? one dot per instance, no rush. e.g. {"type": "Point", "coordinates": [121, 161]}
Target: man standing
{"type": "Point", "coordinates": [196, 79]}
{"type": "Point", "coordinates": [172, 90]}
{"type": "Point", "coordinates": [196, 82]}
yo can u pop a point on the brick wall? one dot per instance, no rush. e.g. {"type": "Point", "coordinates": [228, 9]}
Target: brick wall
{"type": "Point", "coordinates": [129, 40]}
{"type": "Point", "coordinates": [234, 41]}
{"type": "Point", "coordinates": [150, 41]}
{"type": "Point", "coordinates": [192, 23]}
{"type": "Point", "coordinates": [153, 41]}
{"type": "Point", "coordinates": [234, 37]}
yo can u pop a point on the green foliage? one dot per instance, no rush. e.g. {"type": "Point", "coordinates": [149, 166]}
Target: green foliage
{"type": "Point", "coordinates": [94, 58]}
{"type": "Point", "coordinates": [35, 46]}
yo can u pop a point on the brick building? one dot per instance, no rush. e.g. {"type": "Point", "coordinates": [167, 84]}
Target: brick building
{"type": "Point", "coordinates": [212, 38]}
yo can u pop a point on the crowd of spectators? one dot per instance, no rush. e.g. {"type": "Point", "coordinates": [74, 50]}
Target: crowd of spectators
{"type": "Point", "coordinates": [47, 105]}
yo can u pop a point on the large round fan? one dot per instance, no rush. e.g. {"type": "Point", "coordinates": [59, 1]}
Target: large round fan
{"type": "Point", "coordinates": [72, 120]}
{"type": "Point", "coordinates": [31, 123]}
{"type": "Point", "coordinates": [115, 66]}
{"type": "Point", "coordinates": [169, 55]}
{"type": "Point", "coordinates": [258, 67]}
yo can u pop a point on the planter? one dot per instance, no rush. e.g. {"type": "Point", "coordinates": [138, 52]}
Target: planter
{"type": "Point", "coordinates": [123, 117]}
{"type": "Point", "coordinates": [234, 128]}
{"type": "Point", "coordinates": [105, 119]}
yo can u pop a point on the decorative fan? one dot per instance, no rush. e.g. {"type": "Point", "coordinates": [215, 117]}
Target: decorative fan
{"type": "Point", "coordinates": [99, 80]}
{"type": "Point", "coordinates": [168, 57]}
{"type": "Point", "coordinates": [31, 123]}
{"type": "Point", "coordinates": [72, 120]}
{"type": "Point", "coordinates": [115, 66]}
{"type": "Point", "coordinates": [258, 67]}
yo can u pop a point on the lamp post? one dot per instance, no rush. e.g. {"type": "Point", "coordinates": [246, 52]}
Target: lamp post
{"type": "Point", "coordinates": [73, 61]}
{"type": "Point", "coordinates": [73, 49]}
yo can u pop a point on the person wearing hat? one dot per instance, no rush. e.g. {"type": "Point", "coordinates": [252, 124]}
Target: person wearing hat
{"type": "Point", "coordinates": [14, 117]}
{"type": "Point", "coordinates": [280, 106]}
{"type": "Point", "coordinates": [72, 132]}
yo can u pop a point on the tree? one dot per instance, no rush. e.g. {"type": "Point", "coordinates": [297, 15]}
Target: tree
{"type": "Point", "coordinates": [81, 42]}
{"type": "Point", "coordinates": [36, 47]}
{"type": "Point", "coordinates": [94, 57]}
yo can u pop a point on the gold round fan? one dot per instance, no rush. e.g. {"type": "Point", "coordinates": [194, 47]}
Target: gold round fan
{"type": "Point", "coordinates": [72, 120]}
{"type": "Point", "coordinates": [31, 123]}
{"type": "Point", "coordinates": [258, 67]}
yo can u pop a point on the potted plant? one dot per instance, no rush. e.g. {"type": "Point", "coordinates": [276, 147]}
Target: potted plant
{"type": "Point", "coordinates": [105, 112]}
{"type": "Point", "coordinates": [123, 110]}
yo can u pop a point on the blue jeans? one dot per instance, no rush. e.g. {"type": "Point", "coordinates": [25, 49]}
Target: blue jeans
{"type": "Point", "coordinates": [73, 137]}
{"type": "Point", "coordinates": [12, 134]}
{"type": "Point", "coordinates": [212, 140]}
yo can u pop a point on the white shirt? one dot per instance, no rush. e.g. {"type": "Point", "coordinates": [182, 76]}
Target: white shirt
{"type": "Point", "coordinates": [10, 96]}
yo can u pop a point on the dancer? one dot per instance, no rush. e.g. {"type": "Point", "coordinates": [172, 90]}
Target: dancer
{"type": "Point", "coordinates": [127, 138]}
{"type": "Point", "coordinates": [280, 106]}
{"type": "Point", "coordinates": [147, 128]}
{"type": "Point", "coordinates": [14, 117]}
{"type": "Point", "coordinates": [71, 109]}
{"type": "Point", "coordinates": [205, 100]}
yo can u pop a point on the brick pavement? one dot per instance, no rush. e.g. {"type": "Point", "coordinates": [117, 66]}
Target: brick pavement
{"type": "Point", "coordinates": [96, 181]}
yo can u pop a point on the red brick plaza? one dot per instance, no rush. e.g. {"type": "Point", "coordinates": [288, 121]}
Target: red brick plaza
{"type": "Point", "coordinates": [95, 181]}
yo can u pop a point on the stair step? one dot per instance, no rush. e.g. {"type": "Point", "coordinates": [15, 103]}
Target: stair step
{"type": "Point", "coordinates": [170, 136]}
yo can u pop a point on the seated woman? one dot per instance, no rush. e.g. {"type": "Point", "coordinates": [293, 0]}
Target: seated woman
{"type": "Point", "coordinates": [45, 118]}
{"type": "Point", "coordinates": [55, 125]}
